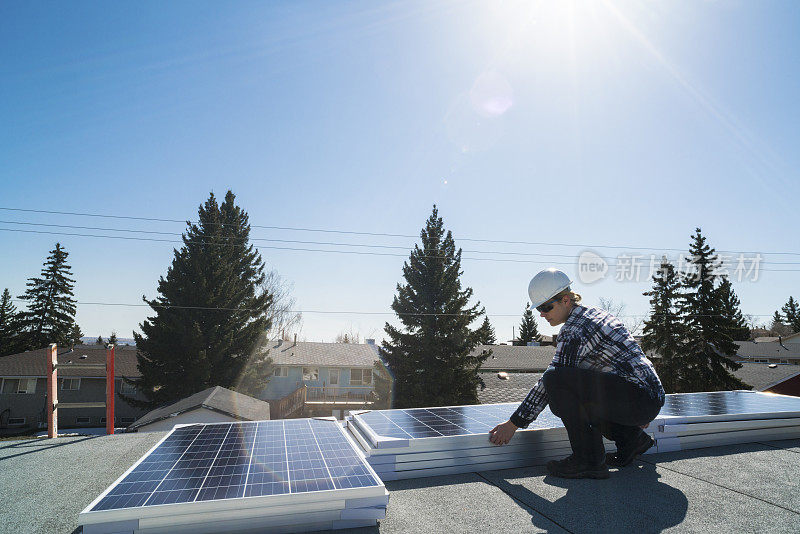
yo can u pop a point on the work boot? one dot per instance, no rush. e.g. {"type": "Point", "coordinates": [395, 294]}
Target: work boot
{"type": "Point", "coordinates": [571, 467]}
{"type": "Point", "coordinates": [628, 453]}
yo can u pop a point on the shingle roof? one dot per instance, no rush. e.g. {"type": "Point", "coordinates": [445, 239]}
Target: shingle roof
{"type": "Point", "coordinates": [761, 375]}
{"type": "Point", "coordinates": [34, 362]}
{"type": "Point", "coordinates": [323, 354]}
{"type": "Point", "coordinates": [517, 385]}
{"type": "Point", "coordinates": [219, 399]}
{"type": "Point", "coordinates": [513, 389]}
{"type": "Point", "coordinates": [748, 349]}
{"type": "Point", "coordinates": [511, 358]}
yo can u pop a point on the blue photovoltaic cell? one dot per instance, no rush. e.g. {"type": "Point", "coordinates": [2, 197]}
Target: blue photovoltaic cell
{"type": "Point", "coordinates": [479, 419]}
{"type": "Point", "coordinates": [727, 403]}
{"type": "Point", "coordinates": [229, 461]}
{"type": "Point", "coordinates": [454, 421]}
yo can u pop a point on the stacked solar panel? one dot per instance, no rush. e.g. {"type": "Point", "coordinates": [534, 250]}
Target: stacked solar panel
{"type": "Point", "coordinates": [282, 476]}
{"type": "Point", "coordinates": [422, 442]}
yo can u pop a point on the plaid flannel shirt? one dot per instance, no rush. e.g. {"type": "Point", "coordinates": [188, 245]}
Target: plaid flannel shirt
{"type": "Point", "coordinates": [596, 340]}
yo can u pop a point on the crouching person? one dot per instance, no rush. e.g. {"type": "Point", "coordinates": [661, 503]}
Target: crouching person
{"type": "Point", "coordinates": [600, 384]}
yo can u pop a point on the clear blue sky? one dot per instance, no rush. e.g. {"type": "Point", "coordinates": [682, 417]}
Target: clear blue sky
{"type": "Point", "coordinates": [586, 123]}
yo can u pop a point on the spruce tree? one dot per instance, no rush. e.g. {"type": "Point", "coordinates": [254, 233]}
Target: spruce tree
{"type": "Point", "coordinates": [9, 325]}
{"type": "Point", "coordinates": [662, 330]}
{"type": "Point", "coordinates": [99, 341]}
{"type": "Point", "coordinates": [113, 339]}
{"type": "Point", "coordinates": [487, 335]}
{"type": "Point", "coordinates": [431, 355]}
{"type": "Point", "coordinates": [791, 314]}
{"type": "Point", "coordinates": [777, 326]}
{"type": "Point", "coordinates": [382, 387]}
{"type": "Point", "coordinates": [51, 307]}
{"type": "Point", "coordinates": [707, 348]}
{"type": "Point", "coordinates": [210, 318]}
{"type": "Point", "coordinates": [528, 330]}
{"type": "Point", "coordinates": [731, 312]}
{"type": "Point", "coordinates": [75, 335]}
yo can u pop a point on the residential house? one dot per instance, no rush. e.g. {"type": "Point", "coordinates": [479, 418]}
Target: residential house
{"type": "Point", "coordinates": [333, 377]}
{"type": "Point", "coordinates": [212, 405]}
{"type": "Point", "coordinates": [23, 386]}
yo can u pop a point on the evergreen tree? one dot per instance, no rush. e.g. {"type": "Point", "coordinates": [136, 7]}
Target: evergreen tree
{"type": "Point", "coordinates": [737, 326]}
{"type": "Point", "coordinates": [791, 314]}
{"type": "Point", "coordinates": [662, 330]}
{"type": "Point", "coordinates": [51, 308]}
{"type": "Point", "coordinates": [431, 355]}
{"type": "Point", "coordinates": [487, 335]}
{"type": "Point", "coordinates": [211, 319]}
{"type": "Point", "coordinates": [706, 347]}
{"type": "Point", "coordinates": [100, 341]}
{"type": "Point", "coordinates": [382, 387]}
{"type": "Point", "coordinates": [75, 335]}
{"type": "Point", "coordinates": [113, 339]}
{"type": "Point", "coordinates": [528, 330]}
{"type": "Point", "coordinates": [777, 327]}
{"type": "Point", "coordinates": [9, 325]}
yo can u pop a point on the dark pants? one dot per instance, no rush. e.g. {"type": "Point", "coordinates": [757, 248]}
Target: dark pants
{"type": "Point", "coordinates": [593, 404]}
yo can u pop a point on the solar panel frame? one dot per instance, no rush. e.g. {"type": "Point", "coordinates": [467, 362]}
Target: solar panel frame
{"type": "Point", "coordinates": [262, 505]}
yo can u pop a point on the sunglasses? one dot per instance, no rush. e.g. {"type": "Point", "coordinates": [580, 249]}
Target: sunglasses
{"type": "Point", "coordinates": [547, 305]}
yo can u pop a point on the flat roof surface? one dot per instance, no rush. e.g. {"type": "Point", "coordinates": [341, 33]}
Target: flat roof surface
{"type": "Point", "coordinates": [750, 487]}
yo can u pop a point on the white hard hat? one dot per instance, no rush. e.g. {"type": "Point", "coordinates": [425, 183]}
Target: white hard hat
{"type": "Point", "coordinates": [546, 285]}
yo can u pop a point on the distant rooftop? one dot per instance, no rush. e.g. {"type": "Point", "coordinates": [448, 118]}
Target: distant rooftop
{"type": "Point", "coordinates": [218, 399]}
{"type": "Point", "coordinates": [34, 363]}
{"type": "Point", "coordinates": [511, 358]}
{"type": "Point", "coordinates": [322, 354]}
{"type": "Point", "coordinates": [513, 388]}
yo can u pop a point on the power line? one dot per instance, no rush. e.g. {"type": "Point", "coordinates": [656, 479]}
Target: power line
{"type": "Point", "coordinates": [227, 241]}
{"type": "Point", "coordinates": [383, 234]}
{"type": "Point", "coordinates": [302, 249]}
{"type": "Point", "coordinates": [351, 312]}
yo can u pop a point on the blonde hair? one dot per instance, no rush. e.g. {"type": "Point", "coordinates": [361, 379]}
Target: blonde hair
{"type": "Point", "coordinates": [574, 297]}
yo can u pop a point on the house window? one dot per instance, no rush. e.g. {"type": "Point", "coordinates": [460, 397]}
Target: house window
{"type": "Point", "coordinates": [26, 385]}
{"type": "Point", "coordinates": [310, 373]}
{"type": "Point", "coordinates": [16, 421]}
{"type": "Point", "coordinates": [360, 377]}
{"type": "Point", "coordinates": [70, 384]}
{"type": "Point", "coordinates": [281, 371]}
{"type": "Point", "coordinates": [103, 420]}
{"type": "Point", "coordinates": [83, 420]}
{"type": "Point", "coordinates": [333, 377]}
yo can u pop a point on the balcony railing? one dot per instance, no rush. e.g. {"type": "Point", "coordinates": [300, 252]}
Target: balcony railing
{"type": "Point", "coordinates": [291, 403]}
{"type": "Point", "coordinates": [347, 394]}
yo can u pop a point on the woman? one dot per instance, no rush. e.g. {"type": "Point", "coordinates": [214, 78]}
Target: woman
{"type": "Point", "coordinates": [600, 384]}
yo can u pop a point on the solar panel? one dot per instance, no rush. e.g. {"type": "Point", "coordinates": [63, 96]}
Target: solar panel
{"type": "Point", "coordinates": [233, 460]}
{"type": "Point", "coordinates": [386, 426]}
{"type": "Point", "coordinates": [728, 405]}
{"type": "Point", "coordinates": [410, 443]}
{"type": "Point", "coordinates": [417, 423]}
